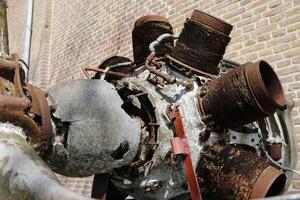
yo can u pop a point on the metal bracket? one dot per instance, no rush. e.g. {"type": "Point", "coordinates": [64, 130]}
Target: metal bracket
{"type": "Point", "coordinates": [180, 145]}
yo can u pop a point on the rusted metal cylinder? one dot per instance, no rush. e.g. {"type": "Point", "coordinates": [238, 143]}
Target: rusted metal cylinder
{"type": "Point", "coordinates": [146, 30]}
{"type": "Point", "coordinates": [248, 93]}
{"type": "Point", "coordinates": [202, 42]}
{"type": "Point", "coordinates": [212, 21]}
{"type": "Point", "coordinates": [232, 173]}
{"type": "Point", "coordinates": [274, 150]}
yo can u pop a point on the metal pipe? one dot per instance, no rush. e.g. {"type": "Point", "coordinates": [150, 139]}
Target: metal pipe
{"type": "Point", "coordinates": [247, 93]}
{"type": "Point", "coordinates": [23, 174]}
{"type": "Point", "coordinates": [116, 74]}
{"type": "Point", "coordinates": [28, 31]}
{"type": "Point", "coordinates": [159, 40]}
{"type": "Point", "coordinates": [8, 64]}
{"type": "Point", "coordinates": [230, 172]}
{"type": "Point", "coordinates": [113, 66]}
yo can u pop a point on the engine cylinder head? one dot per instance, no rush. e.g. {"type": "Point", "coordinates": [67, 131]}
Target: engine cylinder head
{"type": "Point", "coordinates": [248, 93]}
{"type": "Point", "coordinates": [202, 42]}
{"type": "Point", "coordinates": [146, 30]}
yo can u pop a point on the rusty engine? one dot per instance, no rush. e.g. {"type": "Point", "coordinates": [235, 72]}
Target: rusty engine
{"type": "Point", "coordinates": [178, 122]}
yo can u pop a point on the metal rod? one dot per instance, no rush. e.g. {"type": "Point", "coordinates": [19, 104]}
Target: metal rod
{"type": "Point", "coordinates": [117, 74]}
{"type": "Point", "coordinates": [191, 68]}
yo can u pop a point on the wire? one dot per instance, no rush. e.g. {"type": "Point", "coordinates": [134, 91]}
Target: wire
{"type": "Point", "coordinates": [22, 61]}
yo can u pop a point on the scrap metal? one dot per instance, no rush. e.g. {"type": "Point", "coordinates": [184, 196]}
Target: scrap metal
{"type": "Point", "coordinates": [255, 93]}
{"type": "Point", "coordinates": [230, 135]}
{"type": "Point", "coordinates": [146, 30]}
{"type": "Point", "coordinates": [234, 173]}
{"type": "Point", "coordinates": [194, 45]}
{"type": "Point", "coordinates": [180, 148]}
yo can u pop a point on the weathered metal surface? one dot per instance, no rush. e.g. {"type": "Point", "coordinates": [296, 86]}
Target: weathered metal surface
{"type": "Point", "coordinates": [123, 130]}
{"type": "Point", "coordinates": [146, 30]}
{"type": "Point", "coordinates": [274, 150]}
{"type": "Point", "coordinates": [10, 102]}
{"type": "Point", "coordinates": [14, 104]}
{"type": "Point", "coordinates": [40, 109]}
{"type": "Point", "coordinates": [193, 185]}
{"type": "Point", "coordinates": [233, 173]}
{"type": "Point", "coordinates": [150, 18]}
{"type": "Point", "coordinates": [152, 69]}
{"type": "Point", "coordinates": [188, 70]}
{"type": "Point", "coordinates": [112, 61]}
{"type": "Point", "coordinates": [93, 126]}
{"type": "Point", "coordinates": [264, 86]}
{"type": "Point", "coordinates": [24, 176]}
{"type": "Point", "coordinates": [8, 65]}
{"type": "Point", "coordinates": [195, 47]}
{"type": "Point", "coordinates": [137, 104]}
{"type": "Point", "coordinates": [248, 93]}
{"type": "Point", "coordinates": [160, 170]}
{"type": "Point", "coordinates": [212, 21]}
{"type": "Point", "coordinates": [270, 182]}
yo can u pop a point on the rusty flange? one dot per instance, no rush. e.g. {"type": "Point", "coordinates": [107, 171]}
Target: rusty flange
{"type": "Point", "coordinates": [264, 86]}
{"type": "Point", "coordinates": [270, 182]}
{"type": "Point", "coordinates": [40, 108]}
{"type": "Point", "coordinates": [212, 21]}
{"type": "Point", "coordinates": [150, 18]}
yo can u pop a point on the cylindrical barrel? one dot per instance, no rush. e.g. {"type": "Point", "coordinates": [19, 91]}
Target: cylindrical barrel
{"type": "Point", "coordinates": [212, 21]}
{"type": "Point", "coordinates": [232, 173]}
{"type": "Point", "coordinates": [146, 30]}
{"type": "Point", "coordinates": [202, 42]}
{"type": "Point", "coordinates": [248, 93]}
{"type": "Point", "coordinates": [274, 150]}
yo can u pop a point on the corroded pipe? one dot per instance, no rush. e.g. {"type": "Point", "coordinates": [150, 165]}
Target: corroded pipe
{"type": "Point", "coordinates": [14, 103]}
{"type": "Point", "coordinates": [248, 93]}
{"type": "Point", "coordinates": [8, 64]}
{"type": "Point", "coordinates": [23, 174]}
{"type": "Point", "coordinates": [233, 173]}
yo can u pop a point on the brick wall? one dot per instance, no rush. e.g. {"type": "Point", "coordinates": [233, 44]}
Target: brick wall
{"type": "Point", "coordinates": [70, 34]}
{"type": "Point", "coordinates": [16, 14]}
